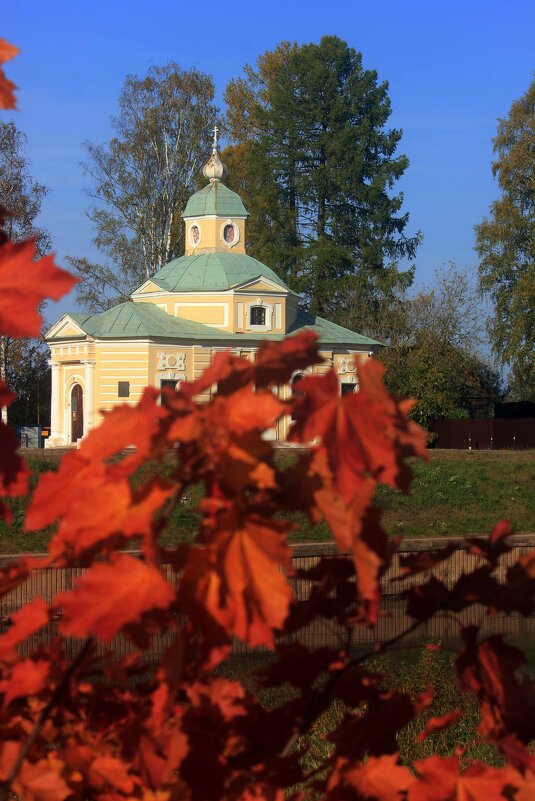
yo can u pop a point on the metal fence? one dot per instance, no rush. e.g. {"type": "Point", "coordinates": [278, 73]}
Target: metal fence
{"type": "Point", "coordinates": [46, 583]}
{"type": "Point", "coordinates": [485, 434]}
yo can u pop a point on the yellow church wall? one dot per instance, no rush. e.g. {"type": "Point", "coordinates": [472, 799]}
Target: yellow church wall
{"type": "Point", "coordinates": [211, 312]}
{"type": "Point", "coordinates": [119, 361]}
{"type": "Point", "coordinates": [211, 229]}
{"type": "Point", "coordinates": [275, 303]}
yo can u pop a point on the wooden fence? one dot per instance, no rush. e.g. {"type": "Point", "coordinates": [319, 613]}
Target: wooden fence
{"type": "Point", "coordinates": [47, 582]}
{"type": "Point", "coordinates": [485, 434]}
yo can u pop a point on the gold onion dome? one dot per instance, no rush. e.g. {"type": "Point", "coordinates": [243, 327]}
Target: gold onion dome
{"type": "Point", "coordinates": [214, 169]}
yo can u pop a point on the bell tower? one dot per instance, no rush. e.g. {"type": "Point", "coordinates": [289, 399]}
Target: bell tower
{"type": "Point", "coordinates": [215, 216]}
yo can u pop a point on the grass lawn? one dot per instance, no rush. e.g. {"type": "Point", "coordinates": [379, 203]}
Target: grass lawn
{"type": "Point", "coordinates": [456, 492]}
{"type": "Point", "coordinates": [412, 672]}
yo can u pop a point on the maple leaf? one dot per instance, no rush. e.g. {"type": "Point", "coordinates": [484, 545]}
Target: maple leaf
{"type": "Point", "coordinates": [7, 87]}
{"type": "Point", "coordinates": [366, 433]}
{"type": "Point", "coordinates": [441, 779]}
{"type": "Point", "coordinates": [236, 578]}
{"type": "Point", "coordinates": [24, 284]}
{"type": "Point", "coordinates": [36, 781]}
{"type": "Point", "coordinates": [507, 703]}
{"type": "Point", "coordinates": [92, 496]}
{"type": "Point", "coordinates": [437, 724]}
{"type": "Point", "coordinates": [111, 771]}
{"type": "Point", "coordinates": [14, 472]}
{"type": "Point", "coordinates": [26, 621]}
{"type": "Point", "coordinates": [110, 596]}
{"type": "Point", "coordinates": [28, 677]}
{"type": "Point", "coordinates": [379, 778]}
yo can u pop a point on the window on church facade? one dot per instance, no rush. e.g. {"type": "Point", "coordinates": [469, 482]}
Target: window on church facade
{"type": "Point", "coordinates": [258, 315]}
{"type": "Point", "coordinates": [123, 389]}
{"type": "Point", "coordinates": [345, 389]}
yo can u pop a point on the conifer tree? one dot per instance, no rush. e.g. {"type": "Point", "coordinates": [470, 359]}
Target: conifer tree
{"type": "Point", "coordinates": [311, 153]}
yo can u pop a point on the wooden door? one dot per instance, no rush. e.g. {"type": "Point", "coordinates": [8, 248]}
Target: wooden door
{"type": "Point", "coordinates": [77, 413]}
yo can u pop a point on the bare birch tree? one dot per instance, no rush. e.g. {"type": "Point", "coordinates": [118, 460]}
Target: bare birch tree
{"type": "Point", "coordinates": [22, 197]}
{"type": "Point", "coordinates": [141, 180]}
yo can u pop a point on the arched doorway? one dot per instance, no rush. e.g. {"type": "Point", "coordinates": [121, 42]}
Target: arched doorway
{"type": "Point", "coordinates": [77, 413]}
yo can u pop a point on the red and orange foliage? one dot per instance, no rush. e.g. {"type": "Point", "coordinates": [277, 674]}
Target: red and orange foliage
{"type": "Point", "coordinates": [78, 722]}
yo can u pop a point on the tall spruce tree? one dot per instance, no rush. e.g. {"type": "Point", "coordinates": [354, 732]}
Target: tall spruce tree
{"type": "Point", "coordinates": [506, 246]}
{"type": "Point", "coordinates": [311, 154]}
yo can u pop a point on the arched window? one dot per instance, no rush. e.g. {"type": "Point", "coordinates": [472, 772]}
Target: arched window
{"type": "Point", "coordinates": [258, 315]}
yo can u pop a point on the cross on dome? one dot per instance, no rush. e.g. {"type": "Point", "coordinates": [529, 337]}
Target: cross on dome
{"type": "Point", "coordinates": [214, 169]}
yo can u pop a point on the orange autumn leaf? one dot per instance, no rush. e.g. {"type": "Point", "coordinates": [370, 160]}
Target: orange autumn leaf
{"type": "Point", "coordinates": [441, 779]}
{"type": "Point", "coordinates": [364, 433]}
{"type": "Point", "coordinates": [110, 596]}
{"type": "Point", "coordinates": [437, 724]}
{"type": "Point", "coordinates": [111, 772]}
{"type": "Point", "coordinates": [237, 579]}
{"type": "Point", "coordinates": [24, 284]}
{"type": "Point", "coordinates": [28, 677]}
{"type": "Point", "coordinates": [14, 472]}
{"type": "Point", "coordinates": [27, 621]}
{"type": "Point", "coordinates": [7, 87]}
{"type": "Point", "coordinates": [381, 778]}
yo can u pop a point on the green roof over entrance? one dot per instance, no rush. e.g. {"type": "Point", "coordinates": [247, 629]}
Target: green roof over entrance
{"type": "Point", "coordinates": [212, 271]}
{"type": "Point", "coordinates": [215, 198]}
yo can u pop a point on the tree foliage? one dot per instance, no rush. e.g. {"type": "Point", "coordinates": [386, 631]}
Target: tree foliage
{"type": "Point", "coordinates": [506, 245]}
{"type": "Point", "coordinates": [312, 156]}
{"type": "Point", "coordinates": [22, 362]}
{"type": "Point", "coordinates": [78, 721]}
{"type": "Point", "coordinates": [433, 346]}
{"type": "Point", "coordinates": [142, 179]}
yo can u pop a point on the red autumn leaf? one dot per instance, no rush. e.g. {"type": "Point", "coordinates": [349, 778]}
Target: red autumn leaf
{"type": "Point", "coordinates": [24, 284]}
{"type": "Point", "coordinates": [237, 580]}
{"type": "Point", "coordinates": [42, 781]}
{"type": "Point", "coordinates": [7, 87]}
{"type": "Point", "coordinates": [276, 362]}
{"type": "Point", "coordinates": [36, 781]}
{"type": "Point", "coordinates": [379, 778]}
{"type": "Point", "coordinates": [507, 702]}
{"type": "Point", "coordinates": [414, 563]}
{"type": "Point", "coordinates": [440, 723]}
{"type": "Point", "coordinates": [27, 621]}
{"type": "Point", "coordinates": [112, 772]}
{"type": "Point", "coordinates": [111, 596]}
{"type": "Point", "coordinates": [28, 677]}
{"type": "Point", "coordinates": [105, 511]}
{"type": "Point", "coordinates": [441, 779]}
{"type": "Point", "coordinates": [364, 433]}
{"type": "Point", "coordinates": [14, 471]}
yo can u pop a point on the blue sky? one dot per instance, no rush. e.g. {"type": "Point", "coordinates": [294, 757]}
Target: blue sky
{"type": "Point", "coordinates": [453, 69]}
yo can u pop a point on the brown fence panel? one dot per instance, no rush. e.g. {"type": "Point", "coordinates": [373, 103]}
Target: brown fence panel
{"type": "Point", "coordinates": [46, 583]}
{"type": "Point", "coordinates": [484, 434]}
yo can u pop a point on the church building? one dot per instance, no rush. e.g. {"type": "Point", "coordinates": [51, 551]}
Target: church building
{"type": "Point", "coordinates": [215, 297]}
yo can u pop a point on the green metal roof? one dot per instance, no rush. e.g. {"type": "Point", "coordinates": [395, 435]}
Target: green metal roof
{"type": "Point", "coordinates": [215, 198]}
{"type": "Point", "coordinates": [212, 271]}
{"type": "Point", "coordinates": [148, 320]}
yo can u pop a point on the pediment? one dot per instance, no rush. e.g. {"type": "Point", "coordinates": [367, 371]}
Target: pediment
{"type": "Point", "coordinates": [64, 328]}
{"type": "Point", "coordinates": [146, 288]}
{"type": "Point", "coordinates": [260, 285]}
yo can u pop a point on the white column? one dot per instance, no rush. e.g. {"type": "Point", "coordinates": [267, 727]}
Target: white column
{"type": "Point", "coordinates": [55, 404]}
{"type": "Point", "coordinates": [89, 397]}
